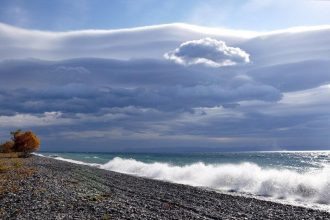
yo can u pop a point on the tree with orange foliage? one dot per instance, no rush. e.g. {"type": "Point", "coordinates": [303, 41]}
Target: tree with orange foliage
{"type": "Point", "coordinates": [25, 142]}
{"type": "Point", "coordinates": [7, 147]}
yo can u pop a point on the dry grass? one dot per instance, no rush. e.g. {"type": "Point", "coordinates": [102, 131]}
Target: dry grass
{"type": "Point", "coordinates": [3, 167]}
{"type": "Point", "coordinates": [26, 172]}
{"type": "Point", "coordinates": [11, 155]}
{"type": "Point", "coordinates": [12, 172]}
{"type": "Point", "coordinates": [98, 197]}
{"type": "Point", "coordinates": [8, 164]}
{"type": "Point", "coordinates": [17, 163]}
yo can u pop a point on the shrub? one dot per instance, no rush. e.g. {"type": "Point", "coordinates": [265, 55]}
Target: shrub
{"type": "Point", "coordinates": [25, 142]}
{"type": "Point", "coordinates": [7, 147]}
{"type": "Point", "coordinates": [21, 142]}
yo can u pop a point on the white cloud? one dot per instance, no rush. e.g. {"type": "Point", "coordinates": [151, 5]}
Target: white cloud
{"type": "Point", "coordinates": [208, 51]}
{"type": "Point", "coordinates": [141, 42]}
{"type": "Point", "coordinates": [153, 41]}
{"type": "Point", "coordinates": [27, 120]}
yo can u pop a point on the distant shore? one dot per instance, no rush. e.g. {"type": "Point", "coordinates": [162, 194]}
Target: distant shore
{"type": "Point", "coordinates": [45, 188]}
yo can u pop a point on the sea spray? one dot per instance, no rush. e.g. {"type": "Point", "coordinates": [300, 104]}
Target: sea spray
{"type": "Point", "coordinates": [311, 186]}
{"type": "Point", "coordinates": [298, 178]}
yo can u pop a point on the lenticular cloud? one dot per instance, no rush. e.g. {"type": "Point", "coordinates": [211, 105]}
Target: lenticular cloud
{"type": "Point", "coordinates": [208, 51]}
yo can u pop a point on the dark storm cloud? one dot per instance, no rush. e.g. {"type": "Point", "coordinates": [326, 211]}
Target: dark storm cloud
{"type": "Point", "coordinates": [48, 88]}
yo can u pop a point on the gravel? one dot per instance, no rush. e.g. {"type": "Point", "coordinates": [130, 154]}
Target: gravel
{"type": "Point", "coordinates": [62, 190]}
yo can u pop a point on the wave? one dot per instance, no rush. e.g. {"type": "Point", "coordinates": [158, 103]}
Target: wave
{"type": "Point", "coordinates": [311, 186]}
{"type": "Point", "coordinates": [69, 160]}
{"type": "Point", "coordinates": [54, 156]}
{"type": "Point", "coordinates": [92, 157]}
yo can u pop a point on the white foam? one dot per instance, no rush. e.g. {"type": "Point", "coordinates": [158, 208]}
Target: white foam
{"type": "Point", "coordinates": [91, 157]}
{"type": "Point", "coordinates": [40, 155]}
{"type": "Point", "coordinates": [69, 160]}
{"type": "Point", "coordinates": [312, 186]}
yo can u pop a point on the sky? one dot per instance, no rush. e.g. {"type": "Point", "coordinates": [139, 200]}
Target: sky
{"type": "Point", "coordinates": [166, 76]}
{"type": "Point", "coordinates": [63, 15]}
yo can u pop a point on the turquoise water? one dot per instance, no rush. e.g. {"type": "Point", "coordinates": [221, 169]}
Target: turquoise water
{"type": "Point", "coordinates": [293, 177]}
{"type": "Point", "coordinates": [299, 161]}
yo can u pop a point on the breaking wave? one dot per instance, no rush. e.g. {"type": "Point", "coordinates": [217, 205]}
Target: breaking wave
{"type": "Point", "coordinates": [311, 186]}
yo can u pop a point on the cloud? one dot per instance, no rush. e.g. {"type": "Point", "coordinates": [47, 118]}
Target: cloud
{"type": "Point", "coordinates": [146, 102]}
{"type": "Point", "coordinates": [294, 76]}
{"type": "Point", "coordinates": [208, 51]}
{"type": "Point", "coordinates": [28, 120]}
{"type": "Point", "coordinates": [303, 112]}
{"type": "Point", "coordinates": [152, 42]}
{"type": "Point", "coordinates": [142, 42]}
{"type": "Point", "coordinates": [81, 98]}
{"type": "Point", "coordinates": [90, 85]}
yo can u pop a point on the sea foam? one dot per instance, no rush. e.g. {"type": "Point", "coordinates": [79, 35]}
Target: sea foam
{"type": "Point", "coordinates": [310, 186]}
{"type": "Point", "coordinates": [76, 161]}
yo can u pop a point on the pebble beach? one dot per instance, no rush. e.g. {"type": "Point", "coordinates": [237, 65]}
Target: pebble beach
{"type": "Point", "coordinates": [45, 188]}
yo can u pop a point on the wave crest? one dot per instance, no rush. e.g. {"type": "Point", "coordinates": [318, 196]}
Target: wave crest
{"type": "Point", "coordinates": [312, 186]}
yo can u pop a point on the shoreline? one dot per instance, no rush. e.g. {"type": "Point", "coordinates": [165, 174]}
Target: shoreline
{"type": "Point", "coordinates": [58, 189]}
{"type": "Point", "coordinates": [301, 203]}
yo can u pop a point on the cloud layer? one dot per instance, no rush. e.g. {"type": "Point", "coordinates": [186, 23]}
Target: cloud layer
{"type": "Point", "coordinates": [143, 42]}
{"type": "Point", "coordinates": [208, 51]}
{"type": "Point", "coordinates": [89, 85]}
{"type": "Point", "coordinates": [153, 42]}
{"type": "Point", "coordinates": [278, 101]}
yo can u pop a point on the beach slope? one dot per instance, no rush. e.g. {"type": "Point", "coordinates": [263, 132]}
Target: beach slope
{"type": "Point", "coordinates": [44, 188]}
